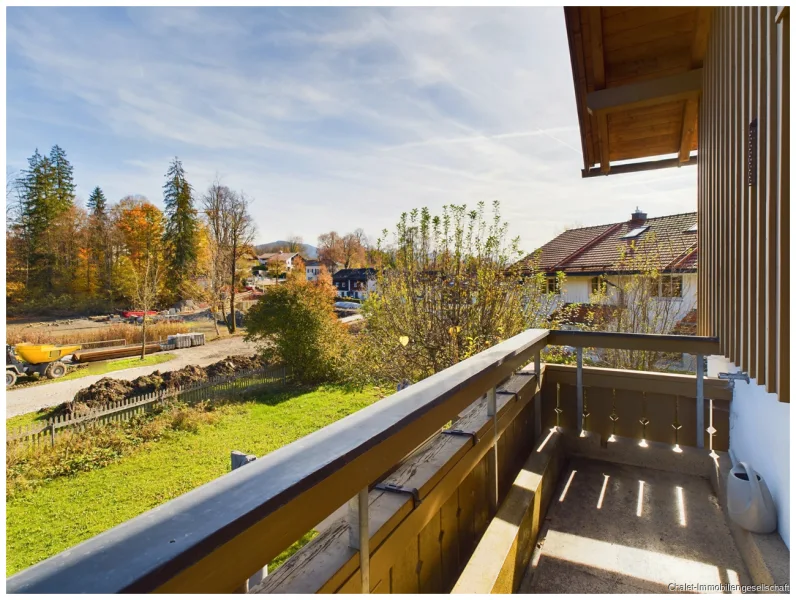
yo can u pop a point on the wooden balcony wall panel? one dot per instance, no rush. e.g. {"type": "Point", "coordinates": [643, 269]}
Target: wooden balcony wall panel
{"type": "Point", "coordinates": [754, 198]}
{"type": "Point", "coordinates": [768, 241]}
{"type": "Point", "coordinates": [736, 185]}
{"type": "Point", "coordinates": [744, 242]}
{"type": "Point", "coordinates": [779, 345]}
{"type": "Point", "coordinates": [665, 402]}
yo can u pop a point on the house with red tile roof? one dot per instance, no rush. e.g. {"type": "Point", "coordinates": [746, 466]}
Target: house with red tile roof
{"type": "Point", "coordinates": [588, 256]}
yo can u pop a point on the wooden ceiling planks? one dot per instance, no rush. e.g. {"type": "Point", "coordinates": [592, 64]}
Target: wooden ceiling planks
{"type": "Point", "coordinates": [613, 47]}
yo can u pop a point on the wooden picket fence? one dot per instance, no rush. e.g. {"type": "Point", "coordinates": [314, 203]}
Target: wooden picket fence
{"type": "Point", "coordinates": [234, 386]}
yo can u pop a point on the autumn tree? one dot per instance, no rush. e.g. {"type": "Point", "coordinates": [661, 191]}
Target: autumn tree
{"type": "Point", "coordinates": [453, 292]}
{"type": "Point", "coordinates": [330, 249]}
{"type": "Point", "coordinates": [214, 207]}
{"type": "Point", "coordinates": [352, 251]}
{"type": "Point", "coordinates": [147, 278]}
{"type": "Point", "coordinates": [140, 227]}
{"type": "Point", "coordinates": [179, 237]}
{"type": "Point", "coordinates": [230, 234]}
{"type": "Point", "coordinates": [295, 243]}
{"type": "Point", "coordinates": [299, 268]}
{"type": "Point", "coordinates": [241, 235]}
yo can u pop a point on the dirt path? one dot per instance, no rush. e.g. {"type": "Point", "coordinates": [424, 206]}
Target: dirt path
{"type": "Point", "coordinates": [32, 398]}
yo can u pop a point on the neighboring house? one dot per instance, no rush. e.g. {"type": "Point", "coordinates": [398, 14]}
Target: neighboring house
{"type": "Point", "coordinates": [355, 283]}
{"type": "Point", "coordinates": [589, 256]}
{"type": "Point", "coordinates": [283, 261]}
{"type": "Point", "coordinates": [312, 268]}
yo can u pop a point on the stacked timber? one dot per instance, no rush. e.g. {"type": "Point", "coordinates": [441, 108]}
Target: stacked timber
{"type": "Point", "coordinates": [84, 356]}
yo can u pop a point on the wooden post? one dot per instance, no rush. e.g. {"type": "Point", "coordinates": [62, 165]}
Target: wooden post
{"type": "Point", "coordinates": [491, 411]}
{"type": "Point", "coordinates": [239, 459]}
{"type": "Point", "coordinates": [537, 398]}
{"type": "Point", "coordinates": [579, 383]}
{"type": "Point", "coordinates": [700, 401]}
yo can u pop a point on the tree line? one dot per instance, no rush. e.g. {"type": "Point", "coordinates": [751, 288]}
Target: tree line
{"type": "Point", "coordinates": [129, 252]}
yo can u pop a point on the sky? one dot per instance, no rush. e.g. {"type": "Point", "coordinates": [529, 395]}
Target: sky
{"type": "Point", "coordinates": [327, 118]}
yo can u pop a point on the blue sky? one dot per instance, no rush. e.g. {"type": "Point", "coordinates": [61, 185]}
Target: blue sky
{"type": "Point", "coordinates": [328, 118]}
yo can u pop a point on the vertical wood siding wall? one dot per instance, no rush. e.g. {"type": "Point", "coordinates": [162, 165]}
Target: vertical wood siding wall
{"type": "Point", "coordinates": [744, 237]}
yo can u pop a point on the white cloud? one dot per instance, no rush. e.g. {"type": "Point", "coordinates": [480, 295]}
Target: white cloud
{"type": "Point", "coordinates": [331, 118]}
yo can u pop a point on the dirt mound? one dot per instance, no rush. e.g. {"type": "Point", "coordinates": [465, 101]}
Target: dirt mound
{"type": "Point", "coordinates": [234, 364]}
{"type": "Point", "coordinates": [109, 390]}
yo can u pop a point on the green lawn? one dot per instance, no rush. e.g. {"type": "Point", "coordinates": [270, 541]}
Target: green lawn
{"type": "Point", "coordinates": [65, 511]}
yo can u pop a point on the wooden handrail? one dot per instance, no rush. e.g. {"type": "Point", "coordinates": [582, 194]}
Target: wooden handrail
{"type": "Point", "coordinates": [688, 344]}
{"type": "Point", "coordinates": [212, 538]}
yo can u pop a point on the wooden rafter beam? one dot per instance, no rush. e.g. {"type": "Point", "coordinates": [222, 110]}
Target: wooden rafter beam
{"type": "Point", "coordinates": [598, 71]}
{"type": "Point", "coordinates": [700, 43]}
{"type": "Point", "coordinates": [602, 130]}
{"type": "Point", "coordinates": [691, 110]}
{"type": "Point", "coordinates": [689, 129]}
{"type": "Point", "coordinates": [597, 54]}
{"type": "Point", "coordinates": [681, 86]}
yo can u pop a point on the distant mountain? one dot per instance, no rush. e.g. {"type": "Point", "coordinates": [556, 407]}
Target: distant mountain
{"type": "Point", "coordinates": [280, 245]}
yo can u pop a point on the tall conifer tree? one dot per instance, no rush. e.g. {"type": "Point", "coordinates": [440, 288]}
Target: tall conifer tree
{"type": "Point", "coordinates": [180, 236]}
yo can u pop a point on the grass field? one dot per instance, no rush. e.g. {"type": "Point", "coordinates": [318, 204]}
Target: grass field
{"type": "Point", "coordinates": [65, 511]}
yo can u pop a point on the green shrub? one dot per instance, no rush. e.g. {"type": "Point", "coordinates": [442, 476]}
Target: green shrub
{"type": "Point", "coordinates": [296, 325]}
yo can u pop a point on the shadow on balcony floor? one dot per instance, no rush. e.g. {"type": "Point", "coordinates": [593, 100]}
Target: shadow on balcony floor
{"type": "Point", "coordinates": [620, 529]}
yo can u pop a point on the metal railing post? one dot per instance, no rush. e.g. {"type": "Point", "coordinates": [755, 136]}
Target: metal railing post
{"type": "Point", "coordinates": [537, 398]}
{"type": "Point", "coordinates": [491, 411]}
{"type": "Point", "coordinates": [700, 400]}
{"type": "Point", "coordinates": [359, 535]}
{"type": "Point", "coordinates": [579, 383]}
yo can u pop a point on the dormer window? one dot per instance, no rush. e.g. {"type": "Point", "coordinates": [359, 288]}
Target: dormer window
{"type": "Point", "coordinates": [692, 229]}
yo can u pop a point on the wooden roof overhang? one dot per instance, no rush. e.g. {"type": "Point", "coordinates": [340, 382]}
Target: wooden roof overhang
{"type": "Point", "coordinates": [638, 79]}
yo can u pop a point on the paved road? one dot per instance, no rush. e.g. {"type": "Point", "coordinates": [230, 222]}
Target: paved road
{"type": "Point", "coordinates": [28, 399]}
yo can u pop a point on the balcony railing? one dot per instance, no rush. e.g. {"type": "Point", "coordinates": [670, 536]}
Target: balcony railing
{"type": "Point", "coordinates": [447, 480]}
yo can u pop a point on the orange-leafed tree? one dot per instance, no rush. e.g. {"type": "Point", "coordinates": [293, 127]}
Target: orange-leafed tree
{"type": "Point", "coordinates": [140, 227]}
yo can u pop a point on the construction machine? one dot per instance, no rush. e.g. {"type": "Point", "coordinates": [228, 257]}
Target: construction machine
{"type": "Point", "coordinates": [42, 359]}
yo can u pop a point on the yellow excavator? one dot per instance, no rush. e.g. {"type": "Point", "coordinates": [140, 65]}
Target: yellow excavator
{"type": "Point", "coordinates": [29, 359]}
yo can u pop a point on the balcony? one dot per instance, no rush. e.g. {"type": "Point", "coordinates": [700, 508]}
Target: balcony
{"type": "Point", "coordinates": [499, 474]}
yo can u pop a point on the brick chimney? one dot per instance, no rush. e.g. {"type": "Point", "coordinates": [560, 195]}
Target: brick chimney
{"type": "Point", "coordinates": [638, 217]}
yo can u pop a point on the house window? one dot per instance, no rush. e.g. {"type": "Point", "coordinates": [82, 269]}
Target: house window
{"type": "Point", "coordinates": [553, 286]}
{"type": "Point", "coordinates": [595, 285]}
{"type": "Point", "coordinates": [672, 286]}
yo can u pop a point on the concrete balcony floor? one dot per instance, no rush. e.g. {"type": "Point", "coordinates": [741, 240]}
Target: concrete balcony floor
{"type": "Point", "coordinates": [614, 528]}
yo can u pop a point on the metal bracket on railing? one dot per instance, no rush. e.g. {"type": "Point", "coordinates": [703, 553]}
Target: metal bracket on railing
{"type": "Point", "coordinates": [397, 489]}
{"type": "Point", "coordinates": [471, 434]}
{"type": "Point", "coordinates": [733, 377]}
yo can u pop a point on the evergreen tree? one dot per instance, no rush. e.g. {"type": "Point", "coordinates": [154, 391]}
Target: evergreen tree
{"type": "Point", "coordinates": [37, 214]}
{"type": "Point", "coordinates": [99, 250]}
{"type": "Point", "coordinates": [96, 203]}
{"type": "Point", "coordinates": [63, 181]}
{"type": "Point", "coordinates": [180, 236]}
